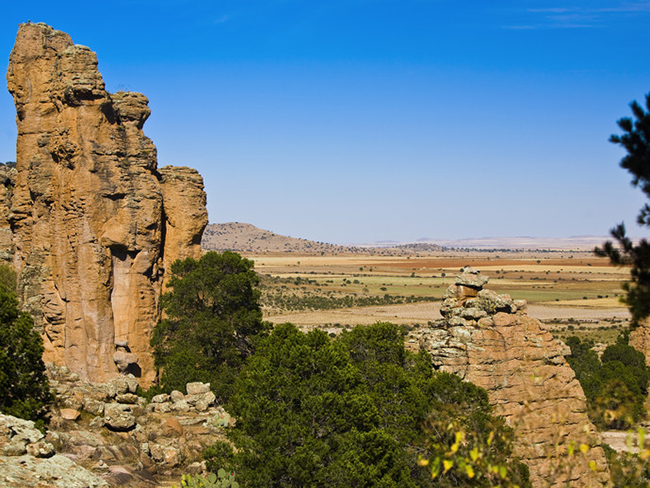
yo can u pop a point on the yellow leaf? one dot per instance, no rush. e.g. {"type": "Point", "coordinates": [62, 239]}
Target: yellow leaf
{"type": "Point", "coordinates": [423, 462]}
{"type": "Point", "coordinates": [459, 437]}
{"type": "Point", "coordinates": [592, 465]}
{"type": "Point", "coordinates": [584, 448]}
{"type": "Point", "coordinates": [454, 448]}
{"type": "Point", "coordinates": [503, 472]}
{"type": "Point", "coordinates": [645, 454]}
{"type": "Point", "coordinates": [571, 448]}
{"type": "Point", "coordinates": [474, 454]}
{"type": "Point", "coordinates": [448, 465]}
{"type": "Point", "coordinates": [470, 471]}
{"type": "Point", "coordinates": [490, 438]}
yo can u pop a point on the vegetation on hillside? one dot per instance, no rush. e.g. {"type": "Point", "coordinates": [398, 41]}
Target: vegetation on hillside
{"type": "Point", "coordinates": [616, 385]}
{"type": "Point", "coordinates": [25, 388]}
{"type": "Point", "coordinates": [317, 411]}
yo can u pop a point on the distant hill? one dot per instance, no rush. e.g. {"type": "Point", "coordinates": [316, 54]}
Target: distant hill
{"type": "Point", "coordinates": [239, 237]}
{"type": "Point", "coordinates": [246, 238]}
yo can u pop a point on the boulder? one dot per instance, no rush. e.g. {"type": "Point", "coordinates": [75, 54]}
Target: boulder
{"type": "Point", "coordinates": [118, 417]}
{"type": "Point", "coordinates": [54, 472]}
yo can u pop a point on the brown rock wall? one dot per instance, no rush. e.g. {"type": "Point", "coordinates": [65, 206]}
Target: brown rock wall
{"type": "Point", "coordinates": [528, 381]}
{"type": "Point", "coordinates": [87, 212]}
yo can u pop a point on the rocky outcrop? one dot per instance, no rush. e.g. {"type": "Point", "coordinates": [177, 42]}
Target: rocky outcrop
{"type": "Point", "coordinates": [489, 339]}
{"type": "Point", "coordinates": [95, 223]}
{"type": "Point", "coordinates": [27, 460]}
{"type": "Point", "coordinates": [7, 182]}
{"type": "Point", "coordinates": [109, 429]}
{"type": "Point", "coordinates": [640, 338]}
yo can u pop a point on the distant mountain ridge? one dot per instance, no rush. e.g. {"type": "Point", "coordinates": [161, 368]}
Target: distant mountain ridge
{"type": "Point", "coordinates": [242, 237]}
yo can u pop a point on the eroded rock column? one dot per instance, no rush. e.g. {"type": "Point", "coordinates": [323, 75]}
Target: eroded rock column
{"type": "Point", "coordinates": [87, 212]}
{"type": "Point", "coordinates": [489, 339]}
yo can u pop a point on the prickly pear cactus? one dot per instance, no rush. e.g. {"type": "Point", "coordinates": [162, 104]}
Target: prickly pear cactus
{"type": "Point", "coordinates": [220, 480]}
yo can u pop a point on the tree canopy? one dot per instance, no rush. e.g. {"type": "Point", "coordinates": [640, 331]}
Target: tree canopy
{"type": "Point", "coordinates": [25, 388]}
{"type": "Point", "coordinates": [636, 141]}
{"type": "Point", "coordinates": [212, 320]}
{"type": "Point", "coordinates": [349, 411]}
{"type": "Point", "coordinates": [616, 385]}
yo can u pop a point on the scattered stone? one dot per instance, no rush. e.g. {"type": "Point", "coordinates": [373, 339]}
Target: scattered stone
{"type": "Point", "coordinates": [172, 427]}
{"type": "Point", "coordinates": [176, 396]}
{"type": "Point", "coordinates": [197, 388]}
{"type": "Point", "coordinates": [69, 414]}
{"type": "Point", "coordinates": [54, 472]}
{"type": "Point", "coordinates": [118, 417]}
{"type": "Point", "coordinates": [162, 398]}
{"type": "Point", "coordinates": [128, 398]}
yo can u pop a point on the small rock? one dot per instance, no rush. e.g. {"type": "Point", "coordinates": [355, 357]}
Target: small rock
{"type": "Point", "coordinates": [197, 388]}
{"type": "Point", "coordinates": [118, 417]}
{"type": "Point", "coordinates": [166, 455]}
{"type": "Point", "coordinates": [97, 423]}
{"type": "Point", "coordinates": [471, 277]}
{"type": "Point", "coordinates": [128, 398]}
{"type": "Point", "coordinates": [176, 396]}
{"type": "Point", "coordinates": [40, 449]}
{"type": "Point", "coordinates": [94, 407]}
{"type": "Point", "coordinates": [162, 398]}
{"type": "Point", "coordinates": [172, 427]}
{"type": "Point", "coordinates": [69, 414]}
{"type": "Point", "coordinates": [180, 406]}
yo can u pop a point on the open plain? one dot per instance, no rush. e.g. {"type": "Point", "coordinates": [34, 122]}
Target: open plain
{"type": "Point", "coordinates": [573, 292]}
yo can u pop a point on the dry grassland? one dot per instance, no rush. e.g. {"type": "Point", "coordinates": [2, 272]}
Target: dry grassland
{"type": "Point", "coordinates": [573, 291]}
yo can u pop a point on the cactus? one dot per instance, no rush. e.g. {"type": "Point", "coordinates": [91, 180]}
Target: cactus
{"type": "Point", "coordinates": [222, 479]}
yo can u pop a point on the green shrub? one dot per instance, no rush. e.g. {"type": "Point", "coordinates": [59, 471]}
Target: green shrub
{"type": "Point", "coordinates": [213, 318]}
{"type": "Point", "coordinates": [24, 386]}
{"type": "Point", "coordinates": [615, 386]}
{"type": "Point", "coordinates": [348, 411]}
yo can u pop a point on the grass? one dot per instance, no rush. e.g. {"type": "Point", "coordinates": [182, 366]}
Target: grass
{"type": "Point", "coordinates": [301, 284]}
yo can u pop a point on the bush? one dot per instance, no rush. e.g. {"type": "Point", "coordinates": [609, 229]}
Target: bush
{"type": "Point", "coordinates": [213, 319]}
{"type": "Point", "coordinates": [615, 386]}
{"type": "Point", "coordinates": [25, 388]}
{"type": "Point", "coordinates": [317, 411]}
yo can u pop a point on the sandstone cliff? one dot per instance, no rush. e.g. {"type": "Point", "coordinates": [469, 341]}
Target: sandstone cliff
{"type": "Point", "coordinates": [489, 339]}
{"type": "Point", "coordinates": [95, 224]}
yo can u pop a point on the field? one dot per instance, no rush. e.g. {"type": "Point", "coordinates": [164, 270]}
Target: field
{"type": "Point", "coordinates": [574, 292]}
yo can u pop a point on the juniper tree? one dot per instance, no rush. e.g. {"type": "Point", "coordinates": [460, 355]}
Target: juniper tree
{"type": "Point", "coordinates": [636, 141]}
{"type": "Point", "coordinates": [25, 388]}
{"type": "Point", "coordinates": [212, 317]}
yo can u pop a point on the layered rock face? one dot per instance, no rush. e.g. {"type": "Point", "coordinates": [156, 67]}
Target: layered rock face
{"type": "Point", "coordinates": [489, 339]}
{"type": "Point", "coordinates": [95, 224]}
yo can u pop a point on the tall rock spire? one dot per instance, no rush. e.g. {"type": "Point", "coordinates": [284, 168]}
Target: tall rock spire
{"type": "Point", "coordinates": [92, 217]}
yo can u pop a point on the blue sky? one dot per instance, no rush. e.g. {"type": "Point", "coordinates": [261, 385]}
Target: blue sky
{"type": "Point", "coordinates": [366, 120]}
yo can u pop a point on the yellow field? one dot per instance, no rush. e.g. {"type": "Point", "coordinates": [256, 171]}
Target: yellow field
{"type": "Point", "coordinates": [575, 289]}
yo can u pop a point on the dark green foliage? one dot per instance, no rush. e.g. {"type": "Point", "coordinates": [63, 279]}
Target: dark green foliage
{"type": "Point", "coordinates": [317, 411]}
{"type": "Point", "coordinates": [213, 318]}
{"type": "Point", "coordinates": [615, 386]}
{"type": "Point", "coordinates": [636, 141]}
{"type": "Point", "coordinates": [24, 386]}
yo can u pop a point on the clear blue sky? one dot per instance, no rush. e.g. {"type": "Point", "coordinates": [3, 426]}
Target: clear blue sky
{"type": "Point", "coordinates": [364, 120]}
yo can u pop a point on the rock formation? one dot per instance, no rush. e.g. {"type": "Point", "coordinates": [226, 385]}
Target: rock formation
{"type": "Point", "coordinates": [640, 338]}
{"type": "Point", "coordinates": [489, 339]}
{"type": "Point", "coordinates": [95, 223]}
